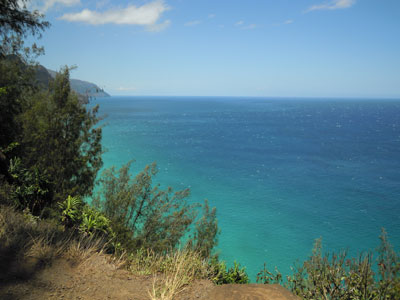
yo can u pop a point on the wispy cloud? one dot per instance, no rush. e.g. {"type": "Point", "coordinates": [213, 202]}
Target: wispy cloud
{"type": "Point", "coordinates": [146, 15]}
{"type": "Point", "coordinates": [250, 26]}
{"type": "Point", "coordinates": [242, 25]}
{"type": "Point", "coordinates": [193, 23]}
{"type": "Point", "coordinates": [126, 89]}
{"type": "Point", "coordinates": [158, 26]}
{"type": "Point", "coordinates": [45, 5]}
{"type": "Point", "coordinates": [211, 16]}
{"type": "Point", "coordinates": [287, 22]}
{"type": "Point", "coordinates": [332, 5]}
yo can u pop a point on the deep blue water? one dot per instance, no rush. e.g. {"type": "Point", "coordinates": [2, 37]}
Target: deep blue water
{"type": "Point", "coordinates": [281, 172]}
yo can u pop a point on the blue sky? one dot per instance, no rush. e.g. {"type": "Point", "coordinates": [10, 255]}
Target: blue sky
{"type": "Point", "coordinates": [273, 48]}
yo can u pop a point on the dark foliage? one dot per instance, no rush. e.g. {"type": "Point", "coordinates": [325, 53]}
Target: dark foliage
{"type": "Point", "coordinates": [60, 139]}
{"type": "Point", "coordinates": [16, 23]}
{"type": "Point", "coordinates": [32, 188]}
{"type": "Point", "coordinates": [143, 215]}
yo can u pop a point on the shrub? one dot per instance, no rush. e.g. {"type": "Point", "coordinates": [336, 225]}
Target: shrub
{"type": "Point", "coordinates": [60, 139]}
{"type": "Point", "coordinates": [94, 222]}
{"type": "Point", "coordinates": [267, 277]}
{"type": "Point", "coordinates": [334, 276]}
{"type": "Point", "coordinates": [32, 189]}
{"type": "Point", "coordinates": [71, 211]}
{"type": "Point", "coordinates": [144, 216]}
{"type": "Point", "coordinates": [206, 233]}
{"type": "Point", "coordinates": [220, 275]}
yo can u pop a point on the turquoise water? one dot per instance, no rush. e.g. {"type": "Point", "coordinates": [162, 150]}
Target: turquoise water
{"type": "Point", "coordinates": [281, 172]}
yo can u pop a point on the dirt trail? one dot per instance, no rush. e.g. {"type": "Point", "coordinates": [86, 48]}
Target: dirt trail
{"type": "Point", "coordinates": [99, 279]}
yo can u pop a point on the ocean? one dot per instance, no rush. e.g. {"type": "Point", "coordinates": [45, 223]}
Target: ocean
{"type": "Point", "coordinates": [281, 172]}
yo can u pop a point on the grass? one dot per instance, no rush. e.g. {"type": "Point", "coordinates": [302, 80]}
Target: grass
{"type": "Point", "coordinates": [179, 270]}
{"type": "Point", "coordinates": [28, 244]}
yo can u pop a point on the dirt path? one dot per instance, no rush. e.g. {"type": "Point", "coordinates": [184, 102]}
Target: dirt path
{"type": "Point", "coordinates": [98, 279]}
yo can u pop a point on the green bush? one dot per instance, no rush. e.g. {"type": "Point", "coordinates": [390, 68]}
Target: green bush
{"type": "Point", "coordinates": [71, 211]}
{"type": "Point", "coordinates": [76, 214]}
{"type": "Point", "coordinates": [144, 216]}
{"type": "Point", "coordinates": [267, 277]}
{"type": "Point", "coordinates": [94, 222]}
{"type": "Point", "coordinates": [206, 232]}
{"type": "Point", "coordinates": [220, 275]}
{"type": "Point", "coordinates": [336, 277]}
{"type": "Point", "coordinates": [32, 188]}
{"type": "Point", "coordinates": [60, 139]}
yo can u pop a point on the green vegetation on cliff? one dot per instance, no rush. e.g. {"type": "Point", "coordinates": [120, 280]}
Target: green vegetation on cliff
{"type": "Point", "coordinates": [50, 154]}
{"type": "Point", "coordinates": [335, 276]}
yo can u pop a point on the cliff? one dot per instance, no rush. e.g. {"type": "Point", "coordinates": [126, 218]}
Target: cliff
{"type": "Point", "coordinates": [84, 87]}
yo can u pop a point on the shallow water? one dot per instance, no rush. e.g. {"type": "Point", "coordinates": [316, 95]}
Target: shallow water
{"type": "Point", "coordinates": [281, 172]}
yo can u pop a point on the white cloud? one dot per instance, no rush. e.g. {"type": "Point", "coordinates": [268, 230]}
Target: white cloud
{"type": "Point", "coordinates": [47, 4]}
{"type": "Point", "coordinates": [332, 5]}
{"type": "Point", "coordinates": [126, 89]}
{"type": "Point", "coordinates": [145, 15]}
{"type": "Point", "coordinates": [193, 23]}
{"type": "Point", "coordinates": [287, 22]}
{"type": "Point", "coordinates": [211, 16]}
{"type": "Point", "coordinates": [159, 26]}
{"type": "Point", "coordinates": [242, 25]}
{"type": "Point", "coordinates": [251, 26]}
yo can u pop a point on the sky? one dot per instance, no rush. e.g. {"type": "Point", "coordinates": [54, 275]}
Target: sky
{"type": "Point", "coordinates": [266, 48]}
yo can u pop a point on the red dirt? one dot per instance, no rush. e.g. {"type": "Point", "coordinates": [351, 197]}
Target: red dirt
{"type": "Point", "coordinates": [99, 279]}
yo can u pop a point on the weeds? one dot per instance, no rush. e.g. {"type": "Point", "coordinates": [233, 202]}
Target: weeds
{"type": "Point", "coordinates": [220, 275]}
{"type": "Point", "coordinates": [79, 251]}
{"type": "Point", "coordinates": [28, 244]}
{"type": "Point", "coordinates": [336, 277]}
{"type": "Point", "coordinates": [179, 270]}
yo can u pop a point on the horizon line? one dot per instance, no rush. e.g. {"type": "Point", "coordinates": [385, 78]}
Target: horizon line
{"type": "Point", "coordinates": [271, 97]}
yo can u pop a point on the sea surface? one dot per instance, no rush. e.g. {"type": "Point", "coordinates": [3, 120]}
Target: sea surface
{"type": "Point", "coordinates": [281, 172]}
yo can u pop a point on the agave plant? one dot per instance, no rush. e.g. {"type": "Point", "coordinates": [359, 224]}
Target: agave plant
{"type": "Point", "coordinates": [71, 211]}
{"type": "Point", "coordinates": [94, 221]}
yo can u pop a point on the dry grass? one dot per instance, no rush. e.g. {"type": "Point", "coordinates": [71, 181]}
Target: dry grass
{"type": "Point", "coordinates": [29, 241]}
{"type": "Point", "coordinates": [79, 251]}
{"type": "Point", "coordinates": [28, 244]}
{"type": "Point", "coordinates": [42, 250]}
{"type": "Point", "coordinates": [180, 269]}
{"type": "Point", "coordinates": [144, 262]}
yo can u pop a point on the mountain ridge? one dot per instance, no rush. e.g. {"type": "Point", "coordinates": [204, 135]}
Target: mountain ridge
{"type": "Point", "coordinates": [83, 87]}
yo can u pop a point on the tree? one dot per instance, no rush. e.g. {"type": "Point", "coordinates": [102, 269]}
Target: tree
{"type": "Point", "coordinates": [144, 215]}
{"type": "Point", "coordinates": [60, 139]}
{"type": "Point", "coordinates": [16, 23]}
{"type": "Point", "coordinates": [206, 233]}
{"type": "Point", "coordinates": [16, 81]}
